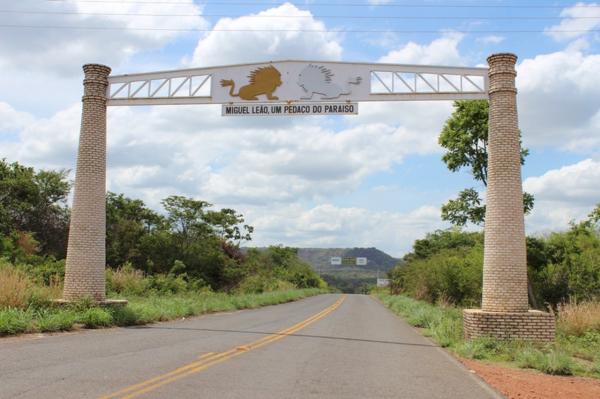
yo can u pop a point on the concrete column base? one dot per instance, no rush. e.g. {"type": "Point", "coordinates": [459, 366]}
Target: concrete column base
{"type": "Point", "coordinates": [531, 326]}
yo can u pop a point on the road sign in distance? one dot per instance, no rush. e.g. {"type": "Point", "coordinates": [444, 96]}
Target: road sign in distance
{"type": "Point", "coordinates": [336, 260]}
{"type": "Point", "coordinates": [361, 261]}
{"type": "Point", "coordinates": [383, 282]}
{"type": "Point", "coordinates": [348, 261]}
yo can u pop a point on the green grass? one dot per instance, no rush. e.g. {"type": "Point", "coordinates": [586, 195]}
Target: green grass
{"type": "Point", "coordinates": [140, 310]}
{"type": "Point", "coordinates": [14, 321]}
{"type": "Point", "coordinates": [568, 355]}
{"type": "Point", "coordinates": [55, 320]}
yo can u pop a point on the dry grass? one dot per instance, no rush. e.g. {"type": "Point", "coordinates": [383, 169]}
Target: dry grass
{"type": "Point", "coordinates": [15, 287]}
{"type": "Point", "coordinates": [126, 279]}
{"type": "Point", "coordinates": [577, 318]}
{"type": "Point", "coordinates": [18, 290]}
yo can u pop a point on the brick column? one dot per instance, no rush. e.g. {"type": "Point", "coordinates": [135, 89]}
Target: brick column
{"type": "Point", "coordinates": [86, 253]}
{"type": "Point", "coordinates": [505, 308]}
{"type": "Point", "coordinates": [505, 260]}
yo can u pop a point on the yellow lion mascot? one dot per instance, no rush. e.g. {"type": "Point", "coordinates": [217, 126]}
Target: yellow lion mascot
{"type": "Point", "coordinates": [263, 81]}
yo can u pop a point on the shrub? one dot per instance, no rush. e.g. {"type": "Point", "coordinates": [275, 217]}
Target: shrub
{"type": "Point", "coordinates": [46, 272]}
{"type": "Point", "coordinates": [95, 318]}
{"type": "Point", "coordinates": [596, 367]}
{"type": "Point", "coordinates": [577, 318]}
{"type": "Point", "coordinates": [558, 363]}
{"type": "Point", "coordinates": [168, 283]}
{"type": "Point", "coordinates": [531, 358]}
{"type": "Point", "coordinates": [61, 320]}
{"type": "Point", "coordinates": [14, 321]}
{"type": "Point", "coordinates": [447, 331]}
{"type": "Point", "coordinates": [252, 285]}
{"type": "Point", "coordinates": [124, 316]}
{"type": "Point", "coordinates": [450, 275]}
{"type": "Point", "coordinates": [126, 280]}
{"type": "Point", "coordinates": [15, 287]}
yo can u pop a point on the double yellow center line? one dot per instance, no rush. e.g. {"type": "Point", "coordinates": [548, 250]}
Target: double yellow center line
{"type": "Point", "coordinates": [210, 359]}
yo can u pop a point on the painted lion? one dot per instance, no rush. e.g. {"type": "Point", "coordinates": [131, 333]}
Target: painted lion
{"type": "Point", "coordinates": [263, 81]}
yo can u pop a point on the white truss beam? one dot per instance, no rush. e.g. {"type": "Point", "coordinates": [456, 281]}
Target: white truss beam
{"type": "Point", "coordinates": [378, 82]}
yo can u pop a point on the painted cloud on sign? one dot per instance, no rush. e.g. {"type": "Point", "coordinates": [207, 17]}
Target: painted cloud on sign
{"type": "Point", "coordinates": [315, 79]}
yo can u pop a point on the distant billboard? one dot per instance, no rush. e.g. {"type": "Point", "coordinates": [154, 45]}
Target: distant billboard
{"type": "Point", "coordinates": [361, 261]}
{"type": "Point", "coordinates": [336, 260]}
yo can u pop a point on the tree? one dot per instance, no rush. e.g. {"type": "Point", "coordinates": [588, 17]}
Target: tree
{"type": "Point", "coordinates": [594, 216]}
{"type": "Point", "coordinates": [128, 221]}
{"type": "Point", "coordinates": [35, 202]}
{"type": "Point", "coordinates": [227, 225]}
{"type": "Point", "coordinates": [465, 138]}
{"type": "Point", "coordinates": [186, 216]}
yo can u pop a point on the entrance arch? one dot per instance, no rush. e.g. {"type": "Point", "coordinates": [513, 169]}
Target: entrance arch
{"type": "Point", "coordinates": [300, 87]}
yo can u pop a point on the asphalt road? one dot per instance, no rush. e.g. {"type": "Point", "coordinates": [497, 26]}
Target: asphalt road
{"type": "Point", "coordinates": [330, 346]}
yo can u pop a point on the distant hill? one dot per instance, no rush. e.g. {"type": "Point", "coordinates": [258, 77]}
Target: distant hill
{"type": "Point", "coordinates": [350, 279]}
{"type": "Point", "coordinates": [320, 258]}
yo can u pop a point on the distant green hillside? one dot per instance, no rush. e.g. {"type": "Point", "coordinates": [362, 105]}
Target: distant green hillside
{"type": "Point", "coordinates": [350, 279]}
{"type": "Point", "coordinates": [320, 258]}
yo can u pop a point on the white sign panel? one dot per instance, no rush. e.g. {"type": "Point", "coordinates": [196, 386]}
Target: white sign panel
{"type": "Point", "coordinates": [289, 109]}
{"type": "Point", "coordinates": [336, 260]}
{"type": "Point", "coordinates": [361, 261]}
{"type": "Point", "coordinates": [383, 282]}
{"type": "Point", "coordinates": [289, 82]}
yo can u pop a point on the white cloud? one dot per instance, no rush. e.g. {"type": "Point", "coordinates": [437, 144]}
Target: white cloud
{"type": "Point", "coordinates": [221, 48]}
{"type": "Point", "coordinates": [269, 174]}
{"type": "Point", "coordinates": [329, 226]}
{"type": "Point", "coordinates": [63, 51]}
{"type": "Point", "coordinates": [282, 173]}
{"type": "Point", "coordinates": [204, 154]}
{"type": "Point", "coordinates": [271, 169]}
{"type": "Point", "coordinates": [577, 183]}
{"type": "Point", "coordinates": [579, 19]}
{"type": "Point", "coordinates": [559, 100]}
{"type": "Point", "coordinates": [41, 68]}
{"type": "Point", "coordinates": [442, 51]}
{"type": "Point", "coordinates": [11, 119]}
{"type": "Point", "coordinates": [46, 142]}
{"type": "Point", "coordinates": [564, 194]}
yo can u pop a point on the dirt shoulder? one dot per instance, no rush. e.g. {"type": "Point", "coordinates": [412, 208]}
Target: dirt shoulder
{"type": "Point", "coordinates": [529, 384]}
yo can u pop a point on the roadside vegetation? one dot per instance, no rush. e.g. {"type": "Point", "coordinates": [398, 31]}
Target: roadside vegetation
{"type": "Point", "coordinates": [443, 272]}
{"type": "Point", "coordinates": [182, 262]}
{"type": "Point", "coordinates": [564, 268]}
{"type": "Point", "coordinates": [571, 354]}
{"type": "Point", "coordinates": [26, 302]}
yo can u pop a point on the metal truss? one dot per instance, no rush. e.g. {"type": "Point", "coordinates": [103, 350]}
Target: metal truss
{"type": "Point", "coordinates": [429, 85]}
{"type": "Point", "coordinates": [380, 82]}
{"type": "Point", "coordinates": [160, 88]}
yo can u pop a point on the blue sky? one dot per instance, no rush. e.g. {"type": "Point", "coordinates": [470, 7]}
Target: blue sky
{"type": "Point", "coordinates": [375, 179]}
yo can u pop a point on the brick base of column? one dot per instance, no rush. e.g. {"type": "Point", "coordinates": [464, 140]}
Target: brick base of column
{"type": "Point", "coordinates": [531, 326]}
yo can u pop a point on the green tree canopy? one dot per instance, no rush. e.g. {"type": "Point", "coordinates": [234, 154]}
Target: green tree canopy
{"type": "Point", "coordinates": [465, 138]}
{"type": "Point", "coordinates": [35, 202]}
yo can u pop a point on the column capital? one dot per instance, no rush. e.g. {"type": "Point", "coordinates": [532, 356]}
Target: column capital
{"type": "Point", "coordinates": [502, 72]}
{"type": "Point", "coordinates": [96, 69]}
{"type": "Point", "coordinates": [95, 82]}
{"type": "Point", "coordinates": [502, 58]}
